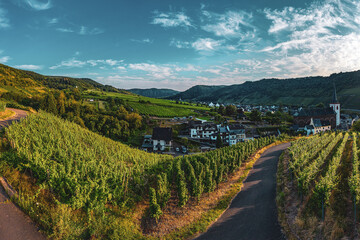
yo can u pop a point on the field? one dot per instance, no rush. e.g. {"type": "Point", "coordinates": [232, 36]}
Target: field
{"type": "Point", "coordinates": [150, 106]}
{"type": "Point", "coordinates": [319, 187]}
{"type": "Point", "coordinates": [79, 185]}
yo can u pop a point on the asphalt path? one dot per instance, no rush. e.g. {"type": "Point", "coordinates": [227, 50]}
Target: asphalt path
{"type": "Point", "coordinates": [19, 114]}
{"type": "Point", "coordinates": [252, 214]}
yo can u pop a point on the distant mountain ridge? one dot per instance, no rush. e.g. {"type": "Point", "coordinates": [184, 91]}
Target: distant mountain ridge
{"type": "Point", "coordinates": [295, 91]}
{"type": "Point", "coordinates": [154, 92]}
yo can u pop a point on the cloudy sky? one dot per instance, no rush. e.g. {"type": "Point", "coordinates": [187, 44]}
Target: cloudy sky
{"type": "Point", "coordinates": [180, 43]}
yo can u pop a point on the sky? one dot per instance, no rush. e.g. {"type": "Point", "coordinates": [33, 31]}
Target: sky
{"type": "Point", "coordinates": [180, 43]}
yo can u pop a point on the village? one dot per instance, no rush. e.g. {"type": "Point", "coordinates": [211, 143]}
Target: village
{"type": "Point", "coordinates": [190, 135]}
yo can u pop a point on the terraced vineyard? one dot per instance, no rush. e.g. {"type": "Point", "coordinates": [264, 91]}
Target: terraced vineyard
{"type": "Point", "coordinates": [88, 186]}
{"type": "Point", "coordinates": [323, 170]}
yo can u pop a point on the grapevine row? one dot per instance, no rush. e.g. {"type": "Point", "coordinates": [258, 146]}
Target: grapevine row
{"type": "Point", "coordinates": [354, 181]}
{"type": "Point", "coordinates": [304, 151]}
{"type": "Point", "coordinates": [307, 175]}
{"type": "Point", "coordinates": [327, 183]}
{"type": "Point", "coordinates": [197, 174]}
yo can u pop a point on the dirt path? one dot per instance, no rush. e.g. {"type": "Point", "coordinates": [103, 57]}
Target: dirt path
{"type": "Point", "coordinates": [252, 214]}
{"type": "Point", "coordinates": [19, 114]}
{"type": "Point", "coordinates": [14, 224]}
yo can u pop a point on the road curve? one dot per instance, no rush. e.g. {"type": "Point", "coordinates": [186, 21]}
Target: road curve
{"type": "Point", "coordinates": [252, 214]}
{"type": "Point", "coordinates": [19, 114]}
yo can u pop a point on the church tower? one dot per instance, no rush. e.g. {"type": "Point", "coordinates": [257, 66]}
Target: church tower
{"type": "Point", "coordinates": [335, 105]}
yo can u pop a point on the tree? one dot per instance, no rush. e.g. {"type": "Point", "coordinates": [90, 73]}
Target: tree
{"type": "Point", "coordinates": [230, 110]}
{"type": "Point", "coordinates": [356, 126]}
{"type": "Point", "coordinates": [219, 142]}
{"type": "Point", "coordinates": [255, 115]}
{"type": "Point", "coordinates": [221, 110]}
{"type": "Point", "coordinates": [320, 105]}
{"type": "Point", "coordinates": [61, 103]}
{"type": "Point", "coordinates": [49, 104]}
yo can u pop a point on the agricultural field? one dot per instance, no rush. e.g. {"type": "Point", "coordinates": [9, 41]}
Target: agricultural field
{"type": "Point", "coordinates": [77, 184]}
{"type": "Point", "coordinates": [149, 106]}
{"type": "Point", "coordinates": [319, 187]}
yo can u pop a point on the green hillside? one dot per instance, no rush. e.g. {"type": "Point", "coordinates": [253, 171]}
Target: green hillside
{"type": "Point", "coordinates": [25, 87]}
{"type": "Point", "coordinates": [89, 187]}
{"type": "Point", "coordinates": [297, 91]}
{"type": "Point", "coordinates": [149, 106]}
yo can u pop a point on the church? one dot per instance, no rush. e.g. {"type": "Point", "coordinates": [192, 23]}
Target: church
{"type": "Point", "coordinates": [326, 116]}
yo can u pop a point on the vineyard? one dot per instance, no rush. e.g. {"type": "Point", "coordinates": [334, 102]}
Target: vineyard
{"type": "Point", "coordinates": [160, 111]}
{"type": "Point", "coordinates": [98, 182]}
{"type": "Point", "coordinates": [320, 174]}
{"type": "Point", "coordinates": [149, 106]}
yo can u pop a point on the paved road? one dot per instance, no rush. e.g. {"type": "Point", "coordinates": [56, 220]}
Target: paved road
{"type": "Point", "coordinates": [252, 214]}
{"type": "Point", "coordinates": [18, 115]}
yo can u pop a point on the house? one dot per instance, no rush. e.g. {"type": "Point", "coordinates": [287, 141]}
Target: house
{"type": "Point", "coordinates": [320, 126]}
{"type": "Point", "coordinates": [330, 114]}
{"type": "Point", "coordinates": [162, 138]}
{"type": "Point", "coordinates": [147, 143]}
{"type": "Point", "coordinates": [236, 134]}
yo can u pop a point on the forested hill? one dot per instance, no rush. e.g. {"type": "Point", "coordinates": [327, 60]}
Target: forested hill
{"type": "Point", "coordinates": [154, 92]}
{"type": "Point", "coordinates": [13, 77]}
{"type": "Point", "coordinates": [297, 91]}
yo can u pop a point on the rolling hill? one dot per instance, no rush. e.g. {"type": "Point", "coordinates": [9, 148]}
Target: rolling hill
{"type": "Point", "coordinates": [296, 91]}
{"type": "Point", "coordinates": [154, 92]}
{"type": "Point", "coordinates": [16, 79]}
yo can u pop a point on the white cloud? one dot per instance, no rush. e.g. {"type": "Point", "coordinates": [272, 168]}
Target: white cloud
{"type": "Point", "coordinates": [172, 19]}
{"type": "Point", "coordinates": [179, 44]}
{"type": "Point", "coordinates": [90, 31]}
{"type": "Point", "coordinates": [82, 30]}
{"type": "Point", "coordinates": [38, 5]}
{"type": "Point", "coordinates": [29, 67]}
{"type": "Point", "coordinates": [53, 21]}
{"type": "Point", "coordinates": [207, 44]}
{"type": "Point", "coordinates": [319, 40]}
{"type": "Point", "coordinates": [4, 21]}
{"type": "Point", "coordinates": [145, 40]}
{"type": "Point", "coordinates": [229, 24]}
{"type": "Point", "coordinates": [4, 59]}
{"type": "Point", "coordinates": [74, 63]}
{"type": "Point", "coordinates": [156, 71]}
{"type": "Point", "coordinates": [65, 30]}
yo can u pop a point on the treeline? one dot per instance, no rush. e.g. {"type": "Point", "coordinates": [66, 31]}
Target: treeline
{"type": "Point", "coordinates": [115, 121]}
{"type": "Point", "coordinates": [191, 176]}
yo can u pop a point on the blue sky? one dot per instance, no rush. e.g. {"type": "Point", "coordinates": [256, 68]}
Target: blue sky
{"type": "Point", "coordinates": [181, 43]}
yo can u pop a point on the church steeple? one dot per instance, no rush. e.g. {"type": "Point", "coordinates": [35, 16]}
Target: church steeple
{"type": "Point", "coordinates": [334, 99]}
{"type": "Point", "coordinates": [335, 105]}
